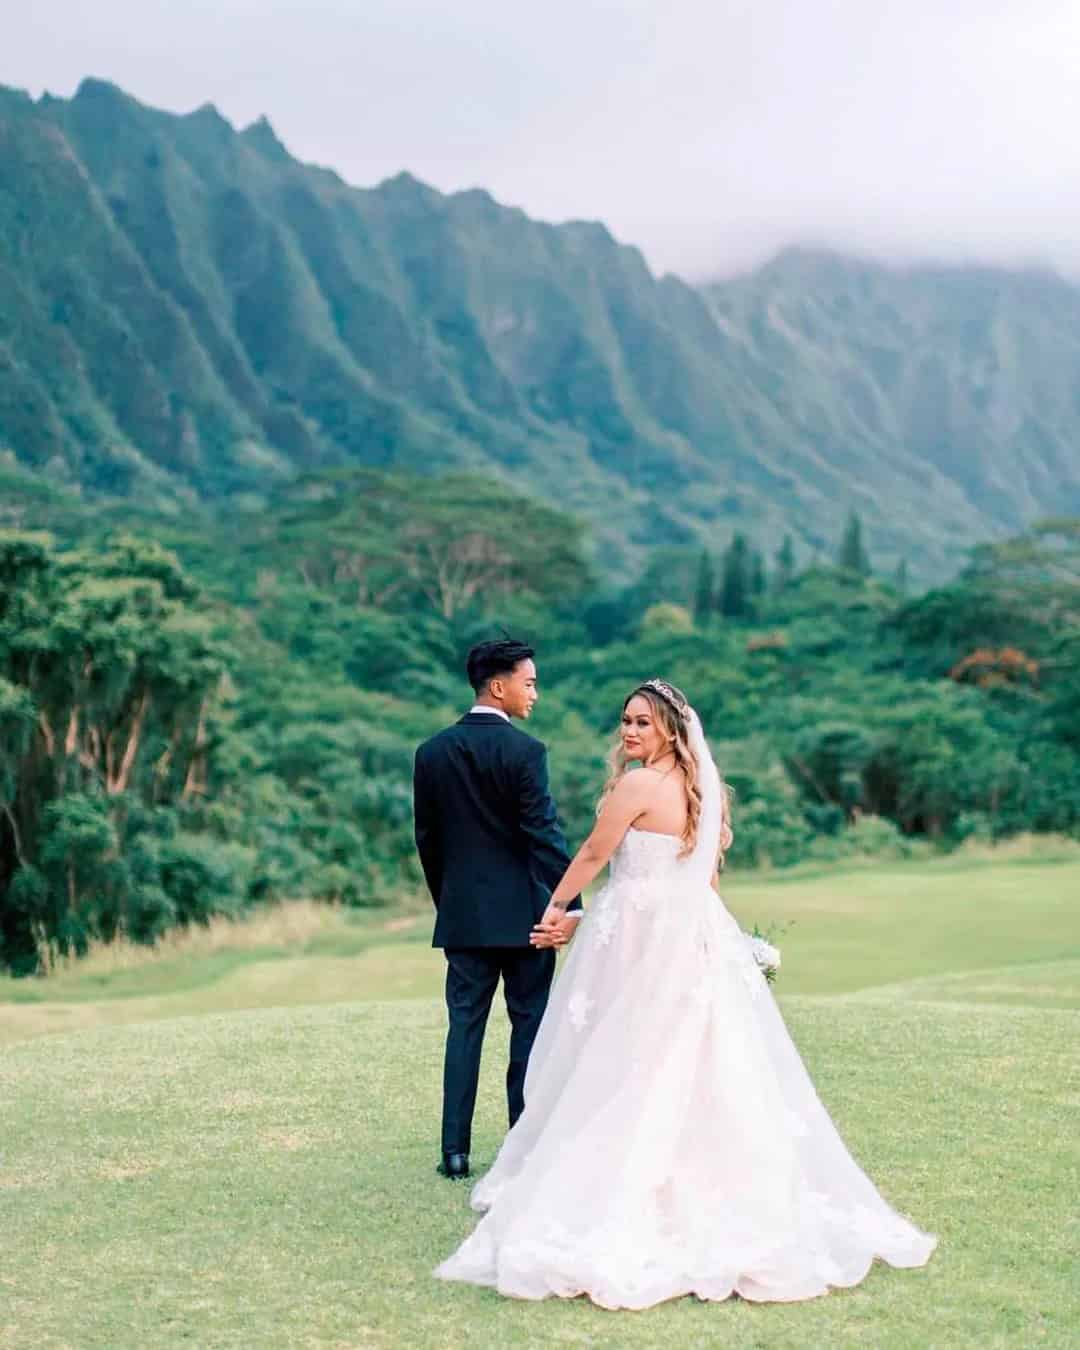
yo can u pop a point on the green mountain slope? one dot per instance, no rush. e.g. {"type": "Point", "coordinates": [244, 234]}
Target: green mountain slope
{"type": "Point", "coordinates": [959, 383]}
{"type": "Point", "coordinates": [185, 310]}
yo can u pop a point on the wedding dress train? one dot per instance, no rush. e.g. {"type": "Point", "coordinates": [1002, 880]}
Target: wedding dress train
{"type": "Point", "coordinates": [672, 1141]}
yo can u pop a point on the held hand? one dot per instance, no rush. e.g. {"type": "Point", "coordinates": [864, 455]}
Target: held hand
{"type": "Point", "coordinates": [555, 929]}
{"type": "Point", "coordinates": [554, 915]}
{"type": "Point", "coordinates": [542, 937]}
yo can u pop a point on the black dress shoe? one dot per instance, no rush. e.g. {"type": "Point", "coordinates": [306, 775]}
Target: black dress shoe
{"type": "Point", "coordinates": [454, 1165]}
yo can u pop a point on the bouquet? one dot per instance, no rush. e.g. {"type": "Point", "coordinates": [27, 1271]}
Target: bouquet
{"type": "Point", "coordinates": [764, 953]}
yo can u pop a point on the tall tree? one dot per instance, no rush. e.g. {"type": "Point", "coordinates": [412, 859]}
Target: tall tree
{"type": "Point", "coordinates": [109, 672]}
{"type": "Point", "coordinates": [785, 564]}
{"type": "Point", "coordinates": [735, 582]}
{"type": "Point", "coordinates": [704, 591]}
{"type": "Point", "coordinates": [395, 540]}
{"type": "Point", "coordinates": [757, 574]}
{"type": "Point", "coordinates": [853, 556]}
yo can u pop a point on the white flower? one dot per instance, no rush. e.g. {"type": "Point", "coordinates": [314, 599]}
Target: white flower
{"type": "Point", "coordinates": [604, 920]}
{"type": "Point", "coordinates": [764, 953]}
{"type": "Point", "coordinates": [579, 1007]}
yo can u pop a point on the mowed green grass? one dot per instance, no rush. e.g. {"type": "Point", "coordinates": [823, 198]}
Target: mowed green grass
{"type": "Point", "coordinates": [245, 1156]}
{"type": "Point", "coordinates": [997, 932]}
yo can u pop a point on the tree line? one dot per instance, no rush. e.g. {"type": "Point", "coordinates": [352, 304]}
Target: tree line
{"type": "Point", "coordinates": [734, 590]}
{"type": "Point", "coordinates": [197, 715]}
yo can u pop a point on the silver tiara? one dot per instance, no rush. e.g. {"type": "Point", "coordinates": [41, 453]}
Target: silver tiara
{"type": "Point", "coordinates": [668, 694]}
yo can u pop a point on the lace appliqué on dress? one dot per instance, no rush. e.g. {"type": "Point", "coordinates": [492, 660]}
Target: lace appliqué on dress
{"type": "Point", "coordinates": [604, 916]}
{"type": "Point", "coordinates": [579, 1008]}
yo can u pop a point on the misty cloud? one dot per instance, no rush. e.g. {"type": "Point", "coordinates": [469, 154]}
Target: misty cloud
{"type": "Point", "coordinates": [708, 134]}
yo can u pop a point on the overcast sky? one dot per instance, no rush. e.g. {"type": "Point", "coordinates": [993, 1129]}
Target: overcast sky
{"type": "Point", "coordinates": [708, 132]}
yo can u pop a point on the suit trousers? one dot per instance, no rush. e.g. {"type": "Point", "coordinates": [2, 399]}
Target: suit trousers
{"type": "Point", "coordinates": [472, 976]}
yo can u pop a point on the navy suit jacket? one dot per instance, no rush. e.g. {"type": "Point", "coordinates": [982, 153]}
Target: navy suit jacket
{"type": "Point", "coordinates": [487, 832]}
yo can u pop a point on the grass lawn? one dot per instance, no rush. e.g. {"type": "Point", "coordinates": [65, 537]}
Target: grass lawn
{"type": "Point", "coordinates": [237, 1148]}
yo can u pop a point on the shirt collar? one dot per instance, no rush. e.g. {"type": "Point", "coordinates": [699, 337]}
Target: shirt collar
{"type": "Point", "coordinates": [483, 708]}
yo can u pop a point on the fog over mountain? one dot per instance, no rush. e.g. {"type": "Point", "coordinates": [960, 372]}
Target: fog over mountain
{"type": "Point", "coordinates": [709, 135]}
{"type": "Point", "coordinates": [187, 309]}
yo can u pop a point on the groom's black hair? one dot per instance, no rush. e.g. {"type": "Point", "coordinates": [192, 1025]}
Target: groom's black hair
{"type": "Point", "coordinates": [488, 659]}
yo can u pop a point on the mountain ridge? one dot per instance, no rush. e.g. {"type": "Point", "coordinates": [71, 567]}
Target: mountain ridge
{"type": "Point", "coordinates": [187, 311]}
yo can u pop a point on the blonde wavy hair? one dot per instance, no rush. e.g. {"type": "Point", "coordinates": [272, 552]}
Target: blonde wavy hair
{"type": "Point", "coordinates": [670, 712]}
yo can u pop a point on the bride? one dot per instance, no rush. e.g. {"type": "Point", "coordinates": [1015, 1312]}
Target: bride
{"type": "Point", "coordinates": [672, 1142]}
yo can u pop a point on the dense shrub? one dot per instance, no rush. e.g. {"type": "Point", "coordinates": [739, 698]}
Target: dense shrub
{"type": "Point", "coordinates": [203, 876]}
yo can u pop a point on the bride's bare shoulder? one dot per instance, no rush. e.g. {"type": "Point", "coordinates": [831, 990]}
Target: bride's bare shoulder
{"type": "Point", "coordinates": [638, 776]}
{"type": "Point", "coordinates": [638, 784]}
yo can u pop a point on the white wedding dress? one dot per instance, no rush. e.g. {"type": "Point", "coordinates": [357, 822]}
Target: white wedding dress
{"type": "Point", "coordinates": [672, 1142]}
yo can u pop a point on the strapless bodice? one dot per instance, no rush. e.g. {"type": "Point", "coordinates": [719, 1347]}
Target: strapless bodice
{"type": "Point", "coordinates": [645, 855]}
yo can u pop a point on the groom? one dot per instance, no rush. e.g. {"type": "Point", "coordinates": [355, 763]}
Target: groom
{"type": "Point", "coordinates": [492, 852]}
